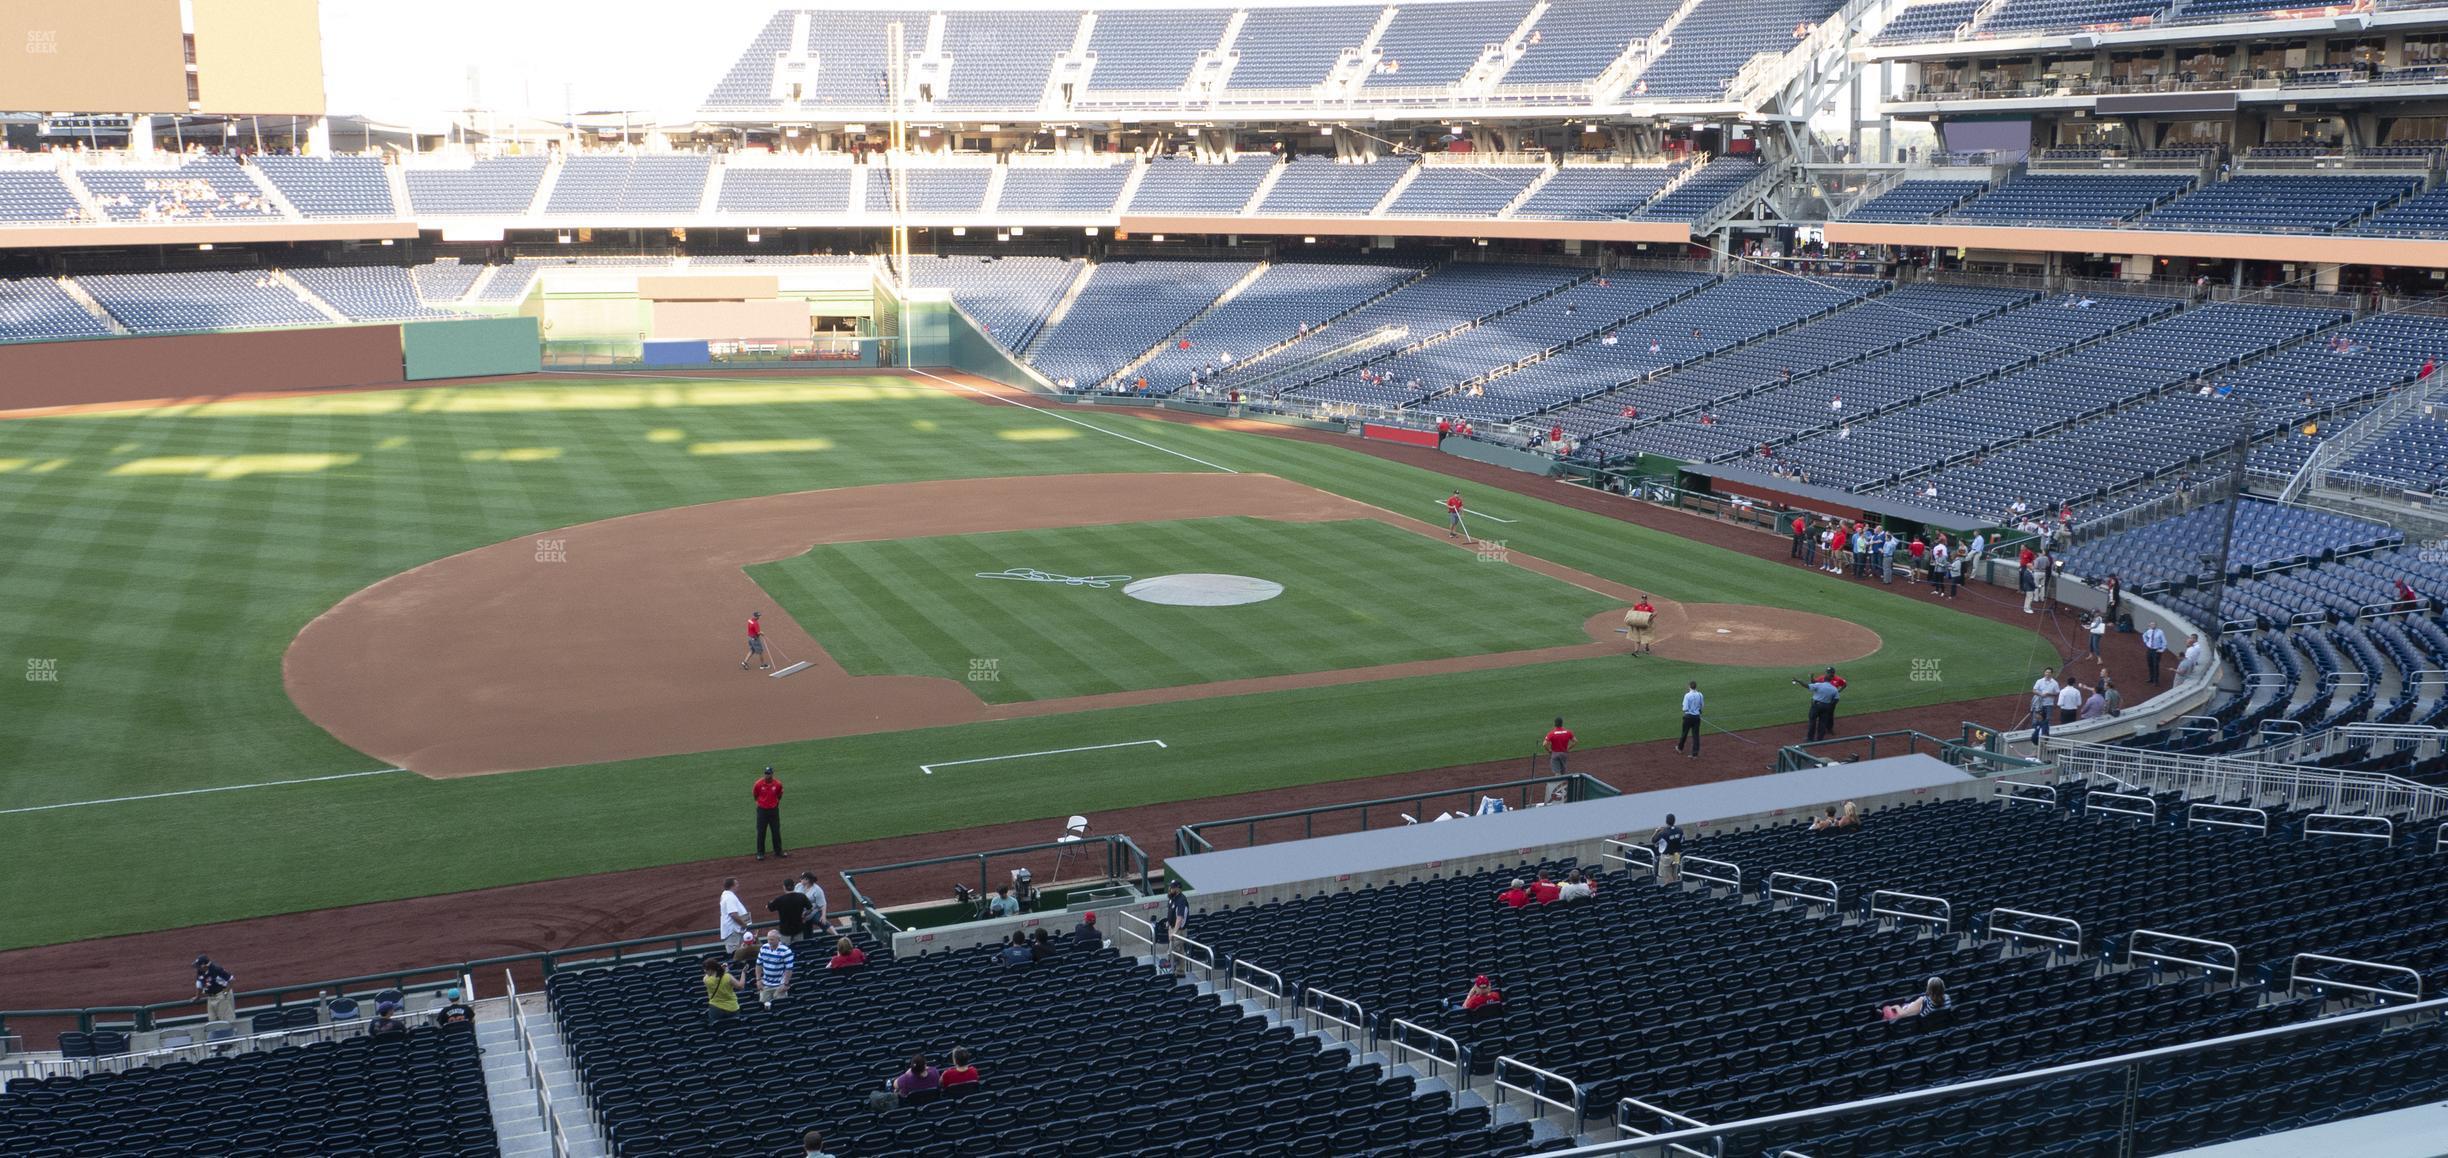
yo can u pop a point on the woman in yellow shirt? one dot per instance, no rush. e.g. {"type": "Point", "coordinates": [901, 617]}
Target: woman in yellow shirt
{"type": "Point", "coordinates": [722, 994]}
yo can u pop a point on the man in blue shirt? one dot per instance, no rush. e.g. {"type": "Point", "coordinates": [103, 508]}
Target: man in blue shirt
{"type": "Point", "coordinates": [1823, 693]}
{"type": "Point", "coordinates": [774, 961]}
{"type": "Point", "coordinates": [2154, 645]}
{"type": "Point", "coordinates": [1691, 719]}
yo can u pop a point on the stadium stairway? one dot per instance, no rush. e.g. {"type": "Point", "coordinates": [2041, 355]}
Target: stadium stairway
{"type": "Point", "coordinates": [1232, 291]}
{"type": "Point", "coordinates": [85, 298]}
{"type": "Point", "coordinates": [518, 1125]}
{"type": "Point", "coordinates": [1462, 1091]}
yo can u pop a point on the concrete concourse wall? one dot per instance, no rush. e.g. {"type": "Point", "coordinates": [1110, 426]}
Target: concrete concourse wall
{"type": "Point", "coordinates": [42, 374]}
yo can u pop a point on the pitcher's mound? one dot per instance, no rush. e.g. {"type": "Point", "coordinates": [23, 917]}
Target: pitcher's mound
{"type": "Point", "coordinates": [1200, 589]}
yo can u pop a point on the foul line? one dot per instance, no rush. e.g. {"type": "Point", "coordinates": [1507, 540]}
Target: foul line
{"type": "Point", "coordinates": [199, 791]}
{"type": "Point", "coordinates": [1074, 421]}
{"type": "Point", "coordinates": [1471, 514]}
{"type": "Point", "coordinates": [929, 769]}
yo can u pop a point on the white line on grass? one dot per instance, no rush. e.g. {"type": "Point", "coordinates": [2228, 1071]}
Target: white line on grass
{"type": "Point", "coordinates": [1471, 514]}
{"type": "Point", "coordinates": [1074, 421]}
{"type": "Point", "coordinates": [929, 769]}
{"type": "Point", "coordinates": [199, 791]}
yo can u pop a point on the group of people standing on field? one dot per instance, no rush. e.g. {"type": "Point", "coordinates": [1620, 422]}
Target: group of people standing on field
{"type": "Point", "coordinates": [1841, 547]}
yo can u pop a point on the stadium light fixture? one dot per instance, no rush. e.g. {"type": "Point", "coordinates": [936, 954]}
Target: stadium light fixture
{"type": "Point", "coordinates": [204, 247]}
{"type": "Point", "coordinates": [1017, 231]}
{"type": "Point", "coordinates": [960, 231]}
{"type": "Point", "coordinates": [1308, 241]}
{"type": "Point", "coordinates": [1156, 237]}
{"type": "Point", "coordinates": [755, 237]}
{"type": "Point", "coordinates": [1092, 231]}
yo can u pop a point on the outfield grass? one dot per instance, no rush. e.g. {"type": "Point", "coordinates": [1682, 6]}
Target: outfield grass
{"type": "Point", "coordinates": [164, 559]}
{"type": "Point", "coordinates": [1357, 593]}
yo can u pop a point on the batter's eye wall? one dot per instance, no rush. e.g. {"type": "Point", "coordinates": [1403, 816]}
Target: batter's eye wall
{"type": "Point", "coordinates": [179, 366]}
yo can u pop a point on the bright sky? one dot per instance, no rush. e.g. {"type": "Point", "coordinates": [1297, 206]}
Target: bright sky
{"type": "Point", "coordinates": [409, 63]}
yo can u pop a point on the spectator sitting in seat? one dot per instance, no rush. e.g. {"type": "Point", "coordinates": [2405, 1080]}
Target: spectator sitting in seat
{"type": "Point", "coordinates": [387, 1021]}
{"type": "Point", "coordinates": [813, 1144]}
{"type": "Point", "coordinates": [917, 1079]}
{"type": "Point", "coordinates": [1040, 946]}
{"type": "Point", "coordinates": [960, 1072]}
{"type": "Point", "coordinates": [1544, 890]}
{"type": "Point", "coordinates": [1086, 932]}
{"type": "Point", "coordinates": [1483, 995]}
{"type": "Point", "coordinates": [743, 959]}
{"type": "Point", "coordinates": [1517, 896]}
{"type": "Point", "coordinates": [1016, 951]}
{"type": "Point", "coordinates": [454, 1012]}
{"type": "Point", "coordinates": [846, 955]}
{"type": "Point", "coordinates": [1826, 822]}
{"type": "Point", "coordinates": [1931, 1001]}
{"type": "Point", "coordinates": [1850, 817]}
{"type": "Point", "coordinates": [1575, 888]}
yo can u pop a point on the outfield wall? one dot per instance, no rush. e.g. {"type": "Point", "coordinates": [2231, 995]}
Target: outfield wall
{"type": "Point", "coordinates": [37, 374]}
{"type": "Point", "coordinates": [470, 348]}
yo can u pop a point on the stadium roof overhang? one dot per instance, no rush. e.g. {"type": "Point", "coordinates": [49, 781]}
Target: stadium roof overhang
{"type": "Point", "coordinates": [1737, 479]}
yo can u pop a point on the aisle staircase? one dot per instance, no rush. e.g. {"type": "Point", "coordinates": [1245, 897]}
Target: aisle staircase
{"type": "Point", "coordinates": [538, 1106]}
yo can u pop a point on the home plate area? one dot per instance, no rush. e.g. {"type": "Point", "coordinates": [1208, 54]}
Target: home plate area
{"type": "Point", "coordinates": [1203, 589]}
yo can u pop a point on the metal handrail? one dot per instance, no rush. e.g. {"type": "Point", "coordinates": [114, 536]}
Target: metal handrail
{"type": "Point", "coordinates": [1236, 982]}
{"type": "Point", "coordinates": [1574, 1107]}
{"type": "Point", "coordinates": [1358, 1023]}
{"type": "Point", "coordinates": [1625, 859]}
{"type": "Point", "coordinates": [1734, 882]}
{"type": "Point", "coordinates": [2149, 809]}
{"type": "Point", "coordinates": [1889, 1104]}
{"type": "Point", "coordinates": [2439, 842]}
{"type": "Point", "coordinates": [1624, 1125]}
{"type": "Point", "coordinates": [1182, 941]}
{"type": "Point", "coordinates": [2295, 976]}
{"type": "Point", "coordinates": [1830, 900]}
{"type": "Point", "coordinates": [1944, 919]}
{"type": "Point", "coordinates": [2342, 827]}
{"type": "Point", "coordinates": [1395, 1044]}
{"type": "Point", "coordinates": [2230, 970]}
{"type": "Point", "coordinates": [2023, 792]}
{"type": "Point", "coordinates": [2076, 943]}
{"type": "Point", "coordinates": [2194, 815]}
{"type": "Point", "coordinates": [1146, 930]}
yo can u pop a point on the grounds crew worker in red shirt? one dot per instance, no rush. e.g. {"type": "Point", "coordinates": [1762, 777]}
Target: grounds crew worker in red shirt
{"type": "Point", "coordinates": [756, 641]}
{"type": "Point", "coordinates": [768, 793]}
{"type": "Point", "coordinates": [1558, 742]}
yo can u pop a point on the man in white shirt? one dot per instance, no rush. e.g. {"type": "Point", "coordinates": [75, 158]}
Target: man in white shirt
{"type": "Point", "coordinates": [816, 901]}
{"type": "Point", "coordinates": [734, 915]}
{"type": "Point", "coordinates": [2192, 660]}
{"type": "Point", "coordinates": [2043, 697]}
{"type": "Point", "coordinates": [1692, 703]}
{"type": "Point", "coordinates": [2069, 702]}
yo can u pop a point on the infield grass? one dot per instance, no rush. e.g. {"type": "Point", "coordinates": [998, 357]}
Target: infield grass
{"type": "Point", "coordinates": [158, 562]}
{"type": "Point", "coordinates": [1357, 593]}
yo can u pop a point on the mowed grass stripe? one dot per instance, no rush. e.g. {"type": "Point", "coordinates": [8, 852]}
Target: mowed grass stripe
{"type": "Point", "coordinates": [1352, 599]}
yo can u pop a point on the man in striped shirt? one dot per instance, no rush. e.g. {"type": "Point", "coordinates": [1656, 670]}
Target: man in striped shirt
{"type": "Point", "coordinates": [774, 962]}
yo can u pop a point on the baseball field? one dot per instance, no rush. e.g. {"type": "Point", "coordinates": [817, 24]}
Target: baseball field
{"type": "Point", "coordinates": [284, 653]}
